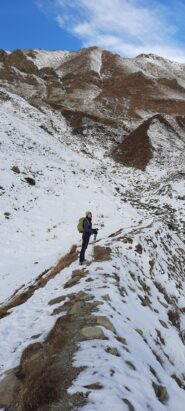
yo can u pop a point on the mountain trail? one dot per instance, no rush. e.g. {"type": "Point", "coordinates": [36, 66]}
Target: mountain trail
{"type": "Point", "coordinates": [95, 312]}
{"type": "Point", "coordinates": [19, 298]}
{"type": "Point", "coordinates": [46, 369]}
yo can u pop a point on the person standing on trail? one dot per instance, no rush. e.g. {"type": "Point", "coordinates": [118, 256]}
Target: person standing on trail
{"type": "Point", "coordinates": [87, 231]}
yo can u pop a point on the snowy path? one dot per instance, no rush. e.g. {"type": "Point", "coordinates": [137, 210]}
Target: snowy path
{"type": "Point", "coordinates": [131, 312]}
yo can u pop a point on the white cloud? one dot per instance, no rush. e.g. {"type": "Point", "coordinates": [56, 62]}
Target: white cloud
{"type": "Point", "coordinates": [128, 27]}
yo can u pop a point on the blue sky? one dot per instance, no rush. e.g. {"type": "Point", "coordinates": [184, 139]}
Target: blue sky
{"type": "Point", "coordinates": [127, 27]}
{"type": "Point", "coordinates": [25, 25]}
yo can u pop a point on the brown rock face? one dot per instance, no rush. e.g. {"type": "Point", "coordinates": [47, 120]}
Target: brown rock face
{"type": "Point", "coordinates": [18, 59]}
{"type": "Point", "coordinates": [123, 91]}
{"type": "Point", "coordinates": [135, 150]}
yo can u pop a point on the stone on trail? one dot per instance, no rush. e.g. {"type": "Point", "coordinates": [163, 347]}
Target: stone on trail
{"type": "Point", "coordinates": [102, 253]}
{"type": "Point", "coordinates": [113, 350]}
{"type": "Point", "coordinates": [105, 322]}
{"type": "Point", "coordinates": [57, 300]}
{"type": "Point", "coordinates": [91, 333]}
{"type": "Point", "coordinates": [77, 308]}
{"type": "Point", "coordinates": [161, 392]}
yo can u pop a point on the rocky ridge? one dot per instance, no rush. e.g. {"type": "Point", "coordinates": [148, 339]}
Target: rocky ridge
{"type": "Point", "coordinates": [101, 95]}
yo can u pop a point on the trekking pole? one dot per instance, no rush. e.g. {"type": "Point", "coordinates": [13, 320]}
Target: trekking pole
{"type": "Point", "coordinates": [95, 236]}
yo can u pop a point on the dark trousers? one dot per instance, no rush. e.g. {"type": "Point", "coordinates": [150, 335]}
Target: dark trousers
{"type": "Point", "coordinates": [85, 242]}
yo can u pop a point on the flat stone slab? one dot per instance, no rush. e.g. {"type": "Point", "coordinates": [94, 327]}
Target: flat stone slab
{"type": "Point", "coordinates": [91, 333]}
{"type": "Point", "coordinates": [57, 300]}
{"type": "Point", "coordinates": [102, 253]}
{"type": "Point", "coordinates": [105, 322]}
{"type": "Point", "coordinates": [73, 281]}
{"type": "Point", "coordinates": [79, 273]}
{"type": "Point", "coordinates": [77, 308]}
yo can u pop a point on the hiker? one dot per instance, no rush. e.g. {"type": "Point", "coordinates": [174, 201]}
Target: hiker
{"type": "Point", "coordinates": [87, 231]}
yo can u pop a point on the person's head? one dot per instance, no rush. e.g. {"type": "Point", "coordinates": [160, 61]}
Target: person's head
{"type": "Point", "coordinates": [88, 214]}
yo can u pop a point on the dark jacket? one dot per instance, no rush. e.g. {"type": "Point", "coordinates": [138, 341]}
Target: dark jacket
{"type": "Point", "coordinates": [88, 230]}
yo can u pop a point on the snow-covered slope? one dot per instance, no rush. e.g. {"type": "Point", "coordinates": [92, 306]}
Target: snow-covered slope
{"type": "Point", "coordinates": [39, 221]}
{"type": "Point", "coordinates": [45, 58]}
